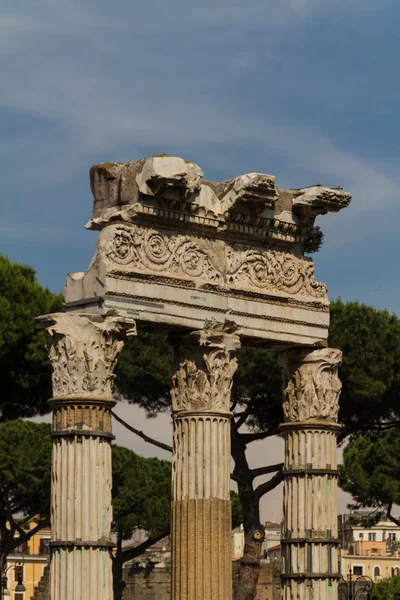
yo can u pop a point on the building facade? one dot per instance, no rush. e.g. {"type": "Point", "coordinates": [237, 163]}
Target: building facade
{"type": "Point", "coordinates": [367, 548]}
{"type": "Point", "coordinates": [27, 564]}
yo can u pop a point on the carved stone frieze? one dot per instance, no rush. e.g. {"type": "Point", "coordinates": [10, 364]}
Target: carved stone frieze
{"type": "Point", "coordinates": [148, 249]}
{"type": "Point", "coordinates": [311, 384]}
{"type": "Point", "coordinates": [202, 379]}
{"type": "Point", "coordinates": [83, 352]}
{"type": "Point", "coordinates": [220, 263]}
{"type": "Point", "coordinates": [272, 270]}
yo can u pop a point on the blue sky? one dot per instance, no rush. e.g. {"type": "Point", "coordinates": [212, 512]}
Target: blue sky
{"type": "Point", "coordinates": [306, 90]}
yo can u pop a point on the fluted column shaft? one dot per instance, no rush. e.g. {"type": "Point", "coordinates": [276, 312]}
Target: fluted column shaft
{"type": "Point", "coordinates": [83, 353]}
{"type": "Point", "coordinates": [201, 508]}
{"type": "Point", "coordinates": [310, 537]}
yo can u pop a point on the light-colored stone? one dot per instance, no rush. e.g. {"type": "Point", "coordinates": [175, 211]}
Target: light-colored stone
{"type": "Point", "coordinates": [176, 250]}
{"type": "Point", "coordinates": [256, 189]}
{"type": "Point", "coordinates": [170, 177]}
{"type": "Point", "coordinates": [201, 513]}
{"type": "Point", "coordinates": [83, 351]}
{"type": "Point", "coordinates": [223, 259]}
{"type": "Point", "coordinates": [321, 199]}
{"type": "Point", "coordinates": [310, 537]}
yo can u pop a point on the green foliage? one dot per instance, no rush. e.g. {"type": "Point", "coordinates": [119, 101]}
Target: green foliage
{"type": "Point", "coordinates": [143, 372]}
{"type": "Point", "coordinates": [257, 383]}
{"type": "Point", "coordinates": [371, 469]}
{"type": "Point", "coordinates": [25, 462]}
{"type": "Point", "coordinates": [141, 493]}
{"type": "Point", "coordinates": [314, 241]}
{"type": "Point", "coordinates": [388, 589]}
{"type": "Point", "coordinates": [237, 515]}
{"type": "Point", "coordinates": [370, 372]}
{"type": "Point", "coordinates": [24, 364]}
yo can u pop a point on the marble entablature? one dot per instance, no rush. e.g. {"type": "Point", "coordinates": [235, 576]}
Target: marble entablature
{"type": "Point", "coordinates": [176, 251]}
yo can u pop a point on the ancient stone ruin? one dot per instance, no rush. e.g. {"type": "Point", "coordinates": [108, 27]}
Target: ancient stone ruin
{"type": "Point", "coordinates": [217, 265]}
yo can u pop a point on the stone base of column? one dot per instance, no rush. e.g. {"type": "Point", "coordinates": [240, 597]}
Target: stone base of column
{"type": "Point", "coordinates": [201, 549]}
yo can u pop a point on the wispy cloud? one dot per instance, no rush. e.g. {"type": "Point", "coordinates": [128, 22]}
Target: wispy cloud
{"type": "Point", "coordinates": [116, 80]}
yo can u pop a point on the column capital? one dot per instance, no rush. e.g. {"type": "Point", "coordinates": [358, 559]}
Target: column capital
{"type": "Point", "coordinates": [311, 386]}
{"type": "Point", "coordinates": [202, 379]}
{"type": "Point", "coordinates": [83, 352]}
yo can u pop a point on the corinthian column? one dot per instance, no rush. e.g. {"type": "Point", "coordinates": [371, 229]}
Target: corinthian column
{"type": "Point", "coordinates": [83, 352]}
{"type": "Point", "coordinates": [201, 509]}
{"type": "Point", "coordinates": [310, 537]}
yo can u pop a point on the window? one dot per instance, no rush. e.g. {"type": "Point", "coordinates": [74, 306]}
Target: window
{"type": "Point", "coordinates": [377, 572]}
{"type": "Point", "coordinates": [22, 548]}
{"type": "Point", "coordinates": [372, 537]}
{"type": "Point", "coordinates": [18, 573]}
{"type": "Point", "coordinates": [18, 596]}
{"type": "Point", "coordinates": [396, 571]}
{"type": "Point", "coordinates": [358, 571]}
{"type": "Point", "coordinates": [44, 546]}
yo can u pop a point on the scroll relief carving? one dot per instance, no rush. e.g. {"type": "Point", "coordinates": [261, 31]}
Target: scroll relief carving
{"type": "Point", "coordinates": [147, 249]}
{"type": "Point", "coordinates": [311, 384]}
{"type": "Point", "coordinates": [212, 262]}
{"type": "Point", "coordinates": [202, 380]}
{"type": "Point", "coordinates": [83, 354]}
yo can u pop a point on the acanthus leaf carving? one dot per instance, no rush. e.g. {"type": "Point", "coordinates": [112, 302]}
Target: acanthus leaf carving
{"type": "Point", "coordinates": [311, 387]}
{"type": "Point", "coordinates": [202, 380]}
{"type": "Point", "coordinates": [83, 352]}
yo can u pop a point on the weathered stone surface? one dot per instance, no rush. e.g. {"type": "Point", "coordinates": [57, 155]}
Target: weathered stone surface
{"type": "Point", "coordinates": [169, 177]}
{"type": "Point", "coordinates": [311, 384]}
{"type": "Point", "coordinates": [310, 536]}
{"type": "Point", "coordinates": [321, 199]}
{"type": "Point", "coordinates": [122, 191]}
{"type": "Point", "coordinates": [224, 260]}
{"type": "Point", "coordinates": [202, 379]}
{"type": "Point", "coordinates": [201, 512]}
{"type": "Point", "coordinates": [83, 352]}
{"type": "Point", "coordinates": [256, 189]}
{"type": "Point", "coordinates": [177, 250]}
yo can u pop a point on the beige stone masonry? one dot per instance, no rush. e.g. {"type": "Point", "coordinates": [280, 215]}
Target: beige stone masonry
{"type": "Point", "coordinates": [177, 250]}
{"type": "Point", "coordinates": [310, 537]}
{"type": "Point", "coordinates": [83, 352]}
{"type": "Point", "coordinates": [178, 253]}
{"type": "Point", "coordinates": [201, 510]}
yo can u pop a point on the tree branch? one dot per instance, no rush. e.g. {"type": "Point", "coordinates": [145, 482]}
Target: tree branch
{"type": "Point", "coordinates": [247, 438]}
{"type": "Point", "coordinates": [131, 553]}
{"type": "Point", "coordinates": [266, 470]}
{"type": "Point", "coordinates": [243, 416]}
{"type": "Point", "coordinates": [269, 485]}
{"type": "Point", "coordinates": [26, 535]}
{"type": "Point", "coordinates": [142, 435]}
{"type": "Point", "coordinates": [390, 516]}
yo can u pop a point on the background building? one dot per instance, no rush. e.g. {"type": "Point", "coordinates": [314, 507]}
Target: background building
{"type": "Point", "coordinates": [368, 548]}
{"type": "Point", "coordinates": [29, 561]}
